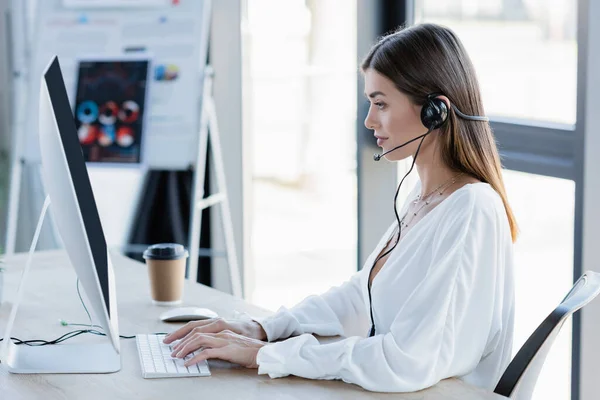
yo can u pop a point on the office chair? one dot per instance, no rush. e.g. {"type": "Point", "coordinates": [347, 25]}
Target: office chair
{"type": "Point", "coordinates": [518, 381]}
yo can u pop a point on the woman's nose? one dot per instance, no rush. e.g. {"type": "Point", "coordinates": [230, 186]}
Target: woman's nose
{"type": "Point", "coordinates": [369, 123]}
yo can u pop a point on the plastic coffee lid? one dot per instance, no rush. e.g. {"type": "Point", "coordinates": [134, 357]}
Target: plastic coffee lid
{"type": "Point", "coordinates": [165, 251]}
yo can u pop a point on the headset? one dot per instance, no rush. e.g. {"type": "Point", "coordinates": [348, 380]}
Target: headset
{"type": "Point", "coordinates": [434, 115]}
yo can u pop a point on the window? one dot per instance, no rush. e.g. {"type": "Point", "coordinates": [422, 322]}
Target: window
{"type": "Point", "coordinates": [524, 52]}
{"type": "Point", "coordinates": [299, 84]}
{"type": "Point", "coordinates": [544, 209]}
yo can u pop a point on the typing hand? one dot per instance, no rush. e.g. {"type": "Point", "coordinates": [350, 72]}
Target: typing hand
{"type": "Point", "coordinates": [250, 329]}
{"type": "Point", "coordinates": [225, 345]}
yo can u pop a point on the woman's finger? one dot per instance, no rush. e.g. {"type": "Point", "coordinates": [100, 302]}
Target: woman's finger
{"type": "Point", "coordinates": [184, 330]}
{"type": "Point", "coordinates": [213, 327]}
{"type": "Point", "coordinates": [192, 343]}
{"type": "Point", "coordinates": [198, 342]}
{"type": "Point", "coordinates": [191, 337]}
{"type": "Point", "coordinates": [188, 338]}
{"type": "Point", "coordinates": [206, 354]}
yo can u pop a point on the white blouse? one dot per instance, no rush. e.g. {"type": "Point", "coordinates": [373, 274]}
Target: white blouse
{"type": "Point", "coordinates": [443, 306]}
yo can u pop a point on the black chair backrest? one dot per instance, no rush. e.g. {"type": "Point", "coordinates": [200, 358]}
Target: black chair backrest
{"type": "Point", "coordinates": [520, 377]}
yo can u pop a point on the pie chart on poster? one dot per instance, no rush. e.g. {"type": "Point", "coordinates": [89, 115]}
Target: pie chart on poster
{"type": "Point", "coordinates": [107, 136]}
{"type": "Point", "coordinates": [87, 112]}
{"type": "Point", "coordinates": [108, 113]}
{"type": "Point", "coordinates": [129, 112]}
{"type": "Point", "coordinates": [166, 72]}
{"type": "Point", "coordinates": [125, 136]}
{"type": "Point", "coordinates": [87, 134]}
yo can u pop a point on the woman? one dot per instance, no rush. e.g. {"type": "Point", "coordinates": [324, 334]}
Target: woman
{"type": "Point", "coordinates": [440, 304]}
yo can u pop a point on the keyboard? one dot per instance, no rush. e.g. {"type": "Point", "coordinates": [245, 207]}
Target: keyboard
{"type": "Point", "coordinates": [156, 360]}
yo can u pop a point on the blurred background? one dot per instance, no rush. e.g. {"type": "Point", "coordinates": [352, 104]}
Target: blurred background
{"type": "Point", "coordinates": [307, 201]}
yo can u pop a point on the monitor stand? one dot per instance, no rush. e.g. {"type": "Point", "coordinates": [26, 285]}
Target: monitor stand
{"type": "Point", "coordinates": [62, 359]}
{"type": "Point", "coordinates": [56, 358]}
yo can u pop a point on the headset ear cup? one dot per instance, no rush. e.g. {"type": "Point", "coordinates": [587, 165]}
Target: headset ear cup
{"type": "Point", "coordinates": [434, 113]}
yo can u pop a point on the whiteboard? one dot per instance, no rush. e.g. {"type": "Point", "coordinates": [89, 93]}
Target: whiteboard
{"type": "Point", "coordinates": [177, 37]}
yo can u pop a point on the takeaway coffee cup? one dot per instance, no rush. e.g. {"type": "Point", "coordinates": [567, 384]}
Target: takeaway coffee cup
{"type": "Point", "coordinates": [166, 270]}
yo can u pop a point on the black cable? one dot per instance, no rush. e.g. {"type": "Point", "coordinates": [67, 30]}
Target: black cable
{"type": "Point", "coordinates": [372, 331]}
{"type": "Point", "coordinates": [41, 342]}
{"type": "Point", "coordinates": [66, 336]}
{"type": "Point", "coordinates": [72, 334]}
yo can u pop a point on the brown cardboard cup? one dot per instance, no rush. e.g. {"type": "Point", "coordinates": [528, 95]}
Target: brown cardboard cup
{"type": "Point", "coordinates": [166, 270]}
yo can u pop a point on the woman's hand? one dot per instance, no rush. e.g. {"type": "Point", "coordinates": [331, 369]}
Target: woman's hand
{"type": "Point", "coordinates": [225, 345]}
{"type": "Point", "coordinates": [251, 329]}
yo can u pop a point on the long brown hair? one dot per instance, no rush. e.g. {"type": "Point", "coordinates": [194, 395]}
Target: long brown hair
{"type": "Point", "coordinates": [429, 58]}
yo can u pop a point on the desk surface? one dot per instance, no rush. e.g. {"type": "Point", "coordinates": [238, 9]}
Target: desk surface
{"type": "Point", "coordinates": [50, 294]}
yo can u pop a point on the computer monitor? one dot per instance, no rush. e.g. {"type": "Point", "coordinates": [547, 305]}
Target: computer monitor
{"type": "Point", "coordinates": [66, 181]}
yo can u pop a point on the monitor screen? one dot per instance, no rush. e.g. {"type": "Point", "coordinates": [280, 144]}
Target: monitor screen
{"type": "Point", "coordinates": [109, 109]}
{"type": "Point", "coordinates": [79, 175]}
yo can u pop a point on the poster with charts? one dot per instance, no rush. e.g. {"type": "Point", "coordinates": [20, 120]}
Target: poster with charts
{"type": "Point", "coordinates": [176, 36]}
{"type": "Point", "coordinates": [110, 109]}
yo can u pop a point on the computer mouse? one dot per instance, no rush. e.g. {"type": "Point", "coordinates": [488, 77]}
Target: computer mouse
{"type": "Point", "coordinates": [185, 314]}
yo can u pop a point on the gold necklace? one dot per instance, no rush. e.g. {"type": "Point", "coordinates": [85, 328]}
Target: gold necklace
{"type": "Point", "coordinates": [442, 188]}
{"type": "Point", "coordinates": [437, 188]}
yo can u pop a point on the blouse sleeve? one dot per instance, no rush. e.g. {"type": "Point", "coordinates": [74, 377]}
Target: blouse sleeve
{"type": "Point", "coordinates": [440, 332]}
{"type": "Point", "coordinates": [325, 315]}
{"type": "Point", "coordinates": [336, 312]}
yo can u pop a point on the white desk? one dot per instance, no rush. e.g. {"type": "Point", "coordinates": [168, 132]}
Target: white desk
{"type": "Point", "coordinates": [51, 294]}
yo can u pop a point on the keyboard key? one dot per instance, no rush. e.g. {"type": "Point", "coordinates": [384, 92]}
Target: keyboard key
{"type": "Point", "coordinates": [156, 361]}
{"type": "Point", "coordinates": [180, 367]}
{"type": "Point", "coordinates": [171, 368]}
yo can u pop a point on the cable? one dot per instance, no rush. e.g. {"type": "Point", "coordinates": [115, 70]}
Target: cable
{"type": "Point", "coordinates": [41, 342]}
{"type": "Point", "coordinates": [84, 307]}
{"type": "Point", "coordinates": [72, 334]}
{"type": "Point", "coordinates": [91, 325]}
{"type": "Point", "coordinates": [66, 336]}
{"type": "Point", "coordinates": [372, 331]}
